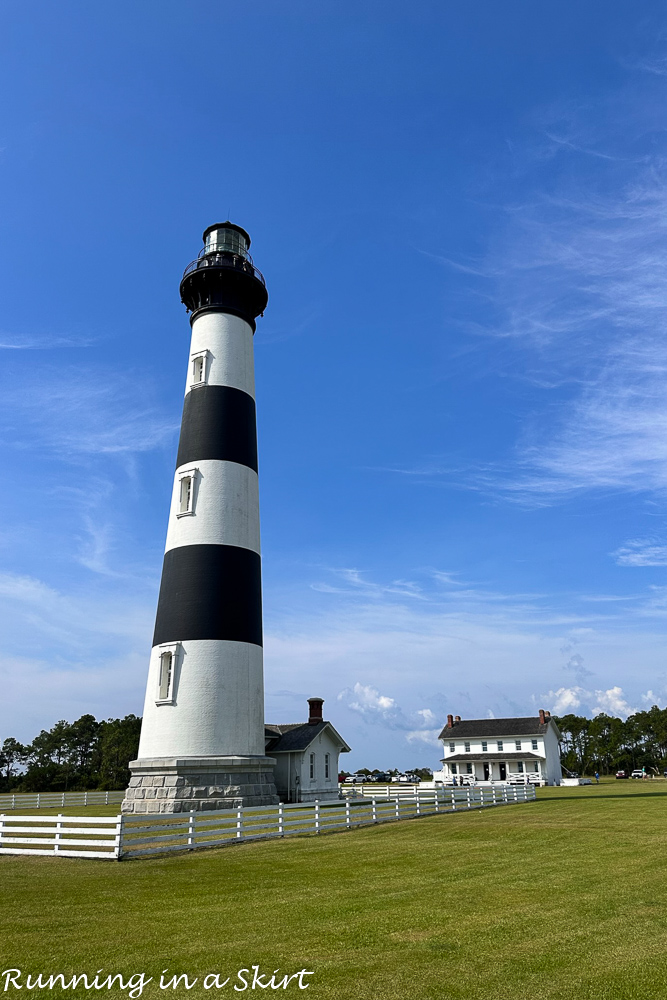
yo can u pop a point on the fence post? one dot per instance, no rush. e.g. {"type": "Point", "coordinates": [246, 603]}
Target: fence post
{"type": "Point", "coordinates": [347, 813]}
{"type": "Point", "coordinates": [435, 800]}
{"type": "Point", "coordinates": [374, 811]}
{"type": "Point", "coordinates": [85, 798]}
{"type": "Point", "coordinates": [516, 797]}
{"type": "Point", "coordinates": [59, 826]}
{"type": "Point", "coordinates": [2, 826]}
{"type": "Point", "coordinates": [398, 807]}
{"type": "Point", "coordinates": [239, 822]}
{"type": "Point", "coordinates": [38, 800]}
{"type": "Point", "coordinates": [13, 802]}
{"type": "Point", "coordinates": [191, 827]}
{"type": "Point", "coordinates": [453, 799]}
{"type": "Point", "coordinates": [281, 829]}
{"type": "Point", "coordinates": [468, 797]}
{"type": "Point", "coordinates": [493, 794]}
{"type": "Point", "coordinates": [120, 830]}
{"type": "Point", "coordinates": [106, 798]}
{"type": "Point", "coordinates": [317, 815]}
{"type": "Point", "coordinates": [62, 804]}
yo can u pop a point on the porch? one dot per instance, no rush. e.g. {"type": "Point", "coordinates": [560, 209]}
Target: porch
{"type": "Point", "coordinates": [490, 768]}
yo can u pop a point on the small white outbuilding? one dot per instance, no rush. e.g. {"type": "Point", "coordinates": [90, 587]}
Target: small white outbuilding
{"type": "Point", "coordinates": [306, 755]}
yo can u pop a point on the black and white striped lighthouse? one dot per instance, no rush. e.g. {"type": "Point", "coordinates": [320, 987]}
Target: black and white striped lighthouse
{"type": "Point", "coordinates": [202, 736]}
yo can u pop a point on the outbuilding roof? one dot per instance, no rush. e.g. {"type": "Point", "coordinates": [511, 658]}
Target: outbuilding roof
{"type": "Point", "coordinates": [507, 728]}
{"type": "Point", "coordinates": [298, 736]}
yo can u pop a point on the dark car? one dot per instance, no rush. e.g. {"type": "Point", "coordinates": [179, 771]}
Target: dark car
{"type": "Point", "coordinates": [622, 774]}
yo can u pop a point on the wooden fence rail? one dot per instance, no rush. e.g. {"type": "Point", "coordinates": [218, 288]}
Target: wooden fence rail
{"type": "Point", "coordinates": [135, 836]}
{"type": "Point", "coordinates": [55, 800]}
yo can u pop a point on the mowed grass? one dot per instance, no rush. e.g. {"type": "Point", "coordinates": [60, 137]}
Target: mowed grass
{"type": "Point", "coordinates": [561, 898]}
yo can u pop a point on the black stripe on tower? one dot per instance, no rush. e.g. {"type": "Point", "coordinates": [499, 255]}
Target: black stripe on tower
{"type": "Point", "coordinates": [210, 592]}
{"type": "Point", "coordinates": [218, 422]}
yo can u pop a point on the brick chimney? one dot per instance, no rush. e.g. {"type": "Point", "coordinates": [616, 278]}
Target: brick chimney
{"type": "Point", "coordinates": [315, 711]}
{"type": "Point", "coordinates": [450, 721]}
{"type": "Point", "coordinates": [542, 717]}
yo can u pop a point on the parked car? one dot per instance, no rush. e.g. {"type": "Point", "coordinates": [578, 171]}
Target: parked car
{"type": "Point", "coordinates": [356, 779]}
{"type": "Point", "coordinates": [622, 774]}
{"type": "Point", "coordinates": [637, 773]}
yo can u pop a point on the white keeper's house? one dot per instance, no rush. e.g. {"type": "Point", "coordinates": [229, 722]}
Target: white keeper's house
{"type": "Point", "coordinates": [501, 750]}
{"type": "Point", "coordinates": [306, 755]}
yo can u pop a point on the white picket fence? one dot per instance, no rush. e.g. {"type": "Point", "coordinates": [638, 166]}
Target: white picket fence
{"type": "Point", "coordinates": [55, 800]}
{"type": "Point", "coordinates": [118, 837]}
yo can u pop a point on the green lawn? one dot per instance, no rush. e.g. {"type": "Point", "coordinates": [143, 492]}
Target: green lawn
{"type": "Point", "coordinates": [561, 898]}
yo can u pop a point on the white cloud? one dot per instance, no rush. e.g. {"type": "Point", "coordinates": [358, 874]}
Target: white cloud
{"type": "Point", "coordinates": [613, 702]}
{"type": "Point", "coordinates": [365, 698]}
{"type": "Point", "coordinates": [579, 701]}
{"type": "Point", "coordinates": [564, 700]}
{"type": "Point", "coordinates": [641, 552]}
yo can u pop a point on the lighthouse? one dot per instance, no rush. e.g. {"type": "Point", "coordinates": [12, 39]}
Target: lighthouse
{"type": "Point", "coordinates": [202, 736]}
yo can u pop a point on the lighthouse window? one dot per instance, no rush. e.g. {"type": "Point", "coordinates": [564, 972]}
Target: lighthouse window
{"type": "Point", "coordinates": [327, 759]}
{"type": "Point", "coordinates": [166, 675]}
{"type": "Point", "coordinates": [199, 368]}
{"type": "Point", "coordinates": [312, 766]}
{"type": "Point", "coordinates": [186, 493]}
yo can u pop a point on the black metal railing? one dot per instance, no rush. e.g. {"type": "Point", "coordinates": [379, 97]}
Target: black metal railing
{"type": "Point", "coordinates": [224, 259]}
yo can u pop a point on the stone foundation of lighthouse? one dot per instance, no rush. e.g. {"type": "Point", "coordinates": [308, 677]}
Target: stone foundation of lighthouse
{"type": "Point", "coordinates": [202, 737]}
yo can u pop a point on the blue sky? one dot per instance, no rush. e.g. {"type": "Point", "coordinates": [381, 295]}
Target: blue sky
{"type": "Point", "coordinates": [461, 213]}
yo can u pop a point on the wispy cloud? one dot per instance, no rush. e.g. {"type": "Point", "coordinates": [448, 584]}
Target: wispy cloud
{"type": "Point", "coordinates": [641, 552]}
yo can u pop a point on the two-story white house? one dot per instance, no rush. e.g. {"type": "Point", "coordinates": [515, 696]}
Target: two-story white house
{"type": "Point", "coordinates": [306, 755]}
{"type": "Point", "coordinates": [501, 750]}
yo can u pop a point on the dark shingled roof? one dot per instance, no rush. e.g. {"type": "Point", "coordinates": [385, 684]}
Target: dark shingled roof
{"type": "Point", "coordinates": [472, 728]}
{"type": "Point", "coordinates": [296, 736]}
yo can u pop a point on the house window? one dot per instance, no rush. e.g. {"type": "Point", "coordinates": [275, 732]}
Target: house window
{"type": "Point", "coordinates": [312, 766]}
{"type": "Point", "coordinates": [454, 771]}
{"type": "Point", "coordinates": [199, 368]}
{"type": "Point", "coordinates": [485, 746]}
{"type": "Point", "coordinates": [186, 492]}
{"type": "Point", "coordinates": [452, 747]}
{"type": "Point", "coordinates": [500, 744]}
{"type": "Point", "coordinates": [466, 747]}
{"type": "Point", "coordinates": [166, 673]}
{"type": "Point", "coordinates": [534, 744]}
{"type": "Point", "coordinates": [517, 744]}
{"type": "Point", "coordinates": [326, 766]}
{"type": "Point", "coordinates": [536, 767]}
{"type": "Point", "coordinates": [519, 766]}
{"type": "Point", "coordinates": [468, 768]}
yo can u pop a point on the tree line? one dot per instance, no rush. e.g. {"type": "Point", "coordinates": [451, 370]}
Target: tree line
{"type": "Point", "coordinates": [608, 744]}
{"type": "Point", "coordinates": [73, 756]}
{"type": "Point", "coordinates": [87, 754]}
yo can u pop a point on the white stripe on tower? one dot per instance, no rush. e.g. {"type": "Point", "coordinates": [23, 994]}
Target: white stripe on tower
{"type": "Point", "coordinates": [205, 688]}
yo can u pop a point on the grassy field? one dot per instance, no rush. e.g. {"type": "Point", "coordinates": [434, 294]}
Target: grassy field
{"type": "Point", "coordinates": [561, 898]}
